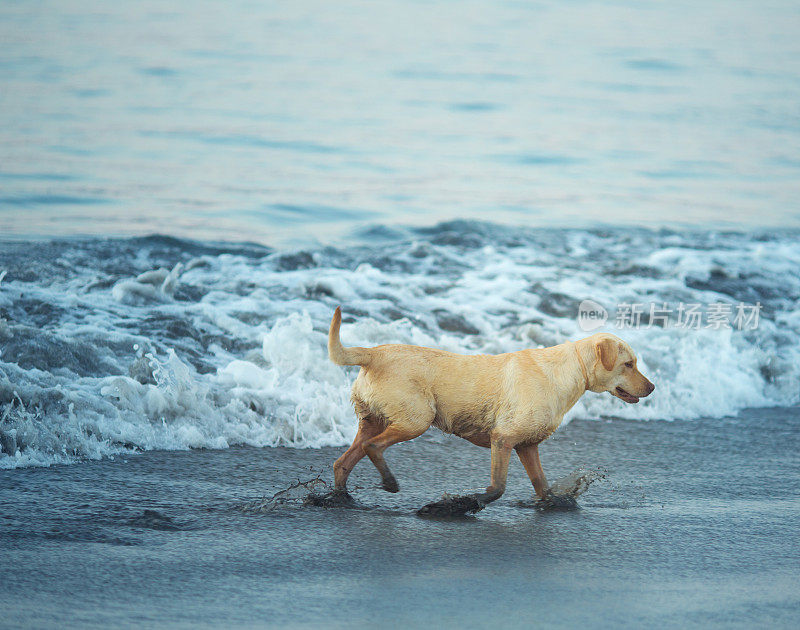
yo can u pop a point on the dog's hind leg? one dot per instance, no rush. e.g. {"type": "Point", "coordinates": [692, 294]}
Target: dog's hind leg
{"type": "Point", "coordinates": [529, 456]}
{"type": "Point", "coordinates": [343, 466]}
{"type": "Point", "coordinates": [374, 448]}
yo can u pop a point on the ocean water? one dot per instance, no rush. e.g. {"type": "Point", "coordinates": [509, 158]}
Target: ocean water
{"type": "Point", "coordinates": [188, 191]}
{"type": "Point", "coordinates": [298, 121]}
{"type": "Point", "coordinates": [110, 346]}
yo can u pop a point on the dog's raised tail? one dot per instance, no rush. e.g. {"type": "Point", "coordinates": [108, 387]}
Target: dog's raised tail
{"type": "Point", "coordinates": [337, 352]}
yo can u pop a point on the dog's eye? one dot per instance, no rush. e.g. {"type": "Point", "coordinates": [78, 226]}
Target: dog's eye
{"type": "Point", "coordinates": [629, 364]}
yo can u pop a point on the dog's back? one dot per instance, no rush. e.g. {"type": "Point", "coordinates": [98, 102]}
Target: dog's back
{"type": "Point", "coordinates": [422, 386]}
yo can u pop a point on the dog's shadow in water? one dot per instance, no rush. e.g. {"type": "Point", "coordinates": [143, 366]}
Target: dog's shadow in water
{"type": "Point", "coordinates": [552, 503]}
{"type": "Point", "coordinates": [333, 499]}
{"type": "Point", "coordinates": [454, 507]}
{"type": "Point", "coordinates": [561, 497]}
{"type": "Point", "coordinates": [447, 508]}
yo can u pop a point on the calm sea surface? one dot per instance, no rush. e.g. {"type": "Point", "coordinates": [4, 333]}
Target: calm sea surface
{"type": "Point", "coordinates": [296, 121]}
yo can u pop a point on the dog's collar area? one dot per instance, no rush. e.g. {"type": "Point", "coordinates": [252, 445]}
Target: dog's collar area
{"type": "Point", "coordinates": [583, 366]}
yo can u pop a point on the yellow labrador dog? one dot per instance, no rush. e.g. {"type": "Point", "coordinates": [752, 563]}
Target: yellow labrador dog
{"type": "Point", "coordinates": [506, 401]}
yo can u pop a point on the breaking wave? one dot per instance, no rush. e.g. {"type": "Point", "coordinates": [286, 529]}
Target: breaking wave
{"type": "Point", "coordinates": [117, 345]}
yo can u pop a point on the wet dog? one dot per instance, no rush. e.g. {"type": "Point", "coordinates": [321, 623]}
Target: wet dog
{"type": "Point", "coordinates": [504, 402]}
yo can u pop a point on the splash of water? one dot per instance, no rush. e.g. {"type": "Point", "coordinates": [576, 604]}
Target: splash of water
{"type": "Point", "coordinates": [564, 492]}
{"type": "Point", "coordinates": [577, 482]}
{"type": "Point", "coordinates": [295, 494]}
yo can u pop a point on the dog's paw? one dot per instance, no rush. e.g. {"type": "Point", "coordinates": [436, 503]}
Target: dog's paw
{"type": "Point", "coordinates": [390, 485]}
{"type": "Point", "coordinates": [332, 499]}
{"type": "Point", "coordinates": [452, 506]}
{"type": "Point", "coordinates": [552, 501]}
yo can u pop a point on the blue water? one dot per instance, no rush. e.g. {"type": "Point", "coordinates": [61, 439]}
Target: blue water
{"type": "Point", "coordinates": [327, 143]}
{"type": "Point", "coordinates": [300, 121]}
{"type": "Point", "coordinates": [188, 190]}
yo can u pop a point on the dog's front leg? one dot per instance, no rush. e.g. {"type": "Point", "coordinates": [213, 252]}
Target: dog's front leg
{"type": "Point", "coordinates": [501, 453]}
{"type": "Point", "coordinates": [471, 503]}
{"type": "Point", "coordinates": [529, 456]}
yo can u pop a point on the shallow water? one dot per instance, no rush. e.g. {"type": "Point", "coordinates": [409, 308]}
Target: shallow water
{"type": "Point", "coordinates": [300, 120]}
{"type": "Point", "coordinates": [694, 525]}
{"type": "Point", "coordinates": [269, 124]}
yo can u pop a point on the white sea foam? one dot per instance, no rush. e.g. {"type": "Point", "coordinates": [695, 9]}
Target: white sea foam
{"type": "Point", "coordinates": [221, 348]}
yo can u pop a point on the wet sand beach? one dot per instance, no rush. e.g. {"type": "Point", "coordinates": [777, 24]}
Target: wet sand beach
{"type": "Point", "coordinates": [694, 525]}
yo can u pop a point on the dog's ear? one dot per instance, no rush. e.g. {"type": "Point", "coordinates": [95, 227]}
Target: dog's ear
{"type": "Point", "coordinates": [607, 351]}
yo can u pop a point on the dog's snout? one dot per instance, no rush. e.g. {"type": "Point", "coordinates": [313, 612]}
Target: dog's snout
{"type": "Point", "coordinates": [649, 388]}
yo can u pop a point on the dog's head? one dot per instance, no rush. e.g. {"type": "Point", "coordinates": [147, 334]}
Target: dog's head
{"type": "Point", "coordinates": [614, 369]}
